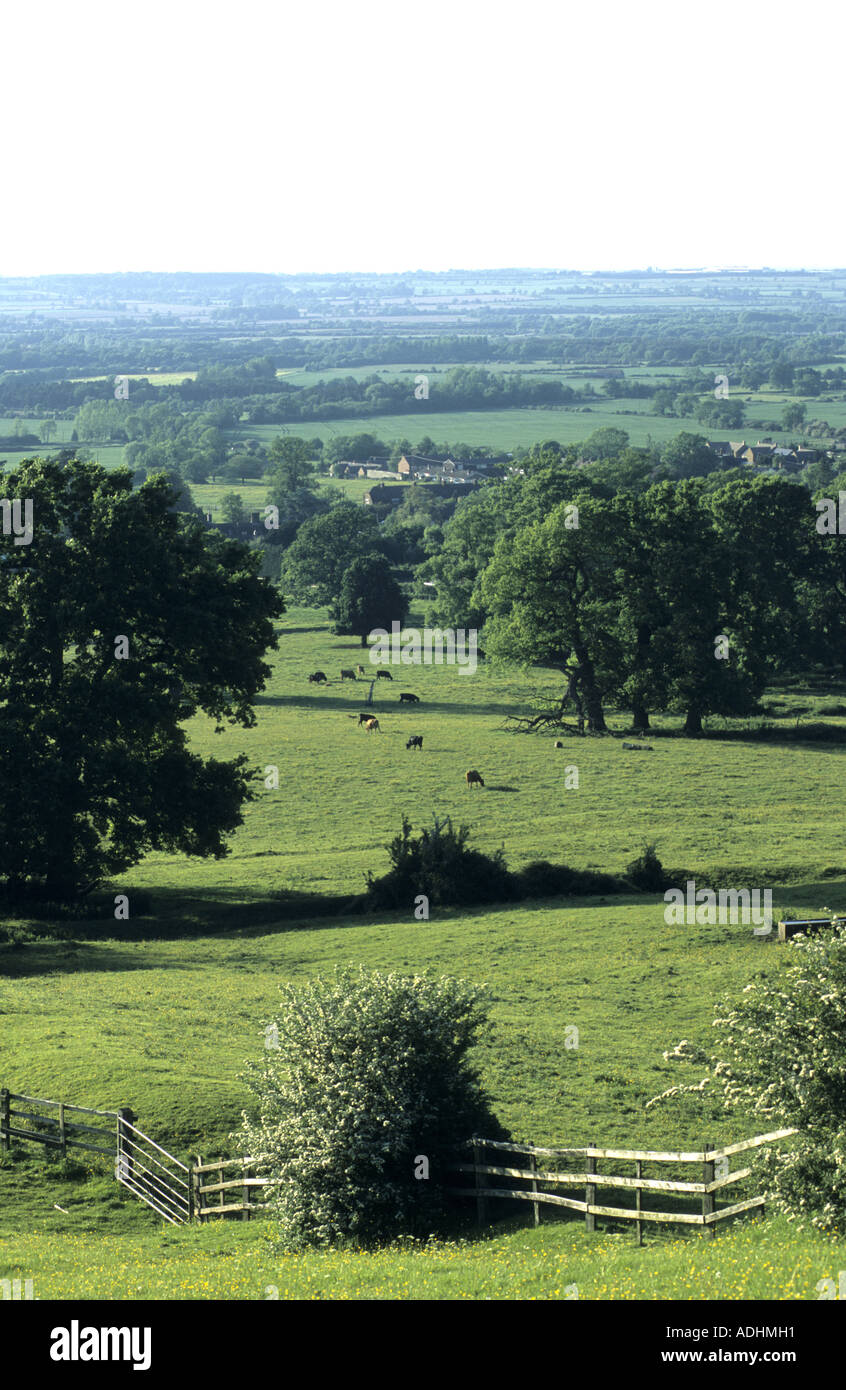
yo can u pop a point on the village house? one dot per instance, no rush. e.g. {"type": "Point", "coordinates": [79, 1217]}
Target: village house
{"type": "Point", "coordinates": [391, 495]}
{"type": "Point", "coordinates": [418, 466]}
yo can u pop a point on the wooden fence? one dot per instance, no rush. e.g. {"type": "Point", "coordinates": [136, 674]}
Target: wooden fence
{"type": "Point", "coordinates": [181, 1192]}
{"type": "Point", "coordinates": [540, 1179]}
{"type": "Point", "coordinates": [141, 1165]}
{"type": "Point", "coordinates": [51, 1123]}
{"type": "Point", "coordinates": [246, 1184]}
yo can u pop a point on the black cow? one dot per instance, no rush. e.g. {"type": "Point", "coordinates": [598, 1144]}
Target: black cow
{"type": "Point", "coordinates": [384, 676]}
{"type": "Point", "coordinates": [317, 677]}
{"type": "Point", "coordinates": [416, 741]}
{"type": "Point", "coordinates": [407, 698]}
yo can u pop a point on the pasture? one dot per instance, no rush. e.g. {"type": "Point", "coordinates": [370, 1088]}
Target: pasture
{"type": "Point", "coordinates": [162, 1012]}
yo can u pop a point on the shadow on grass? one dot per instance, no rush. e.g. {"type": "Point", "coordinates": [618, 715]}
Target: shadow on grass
{"type": "Point", "coordinates": [383, 702]}
{"type": "Point", "coordinates": [93, 943]}
{"type": "Point", "coordinates": [759, 733]}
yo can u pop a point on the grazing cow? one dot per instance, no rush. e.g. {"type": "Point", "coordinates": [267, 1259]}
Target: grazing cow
{"type": "Point", "coordinates": [558, 743]}
{"type": "Point", "coordinates": [416, 741]}
{"type": "Point", "coordinates": [361, 671]}
{"type": "Point", "coordinates": [371, 724]}
{"type": "Point", "coordinates": [473, 779]}
{"type": "Point", "coordinates": [347, 674]}
{"type": "Point", "coordinates": [363, 717]}
{"type": "Point", "coordinates": [408, 699]}
{"type": "Point", "coordinates": [317, 677]}
{"type": "Point", "coordinates": [639, 747]}
{"type": "Point", "coordinates": [384, 676]}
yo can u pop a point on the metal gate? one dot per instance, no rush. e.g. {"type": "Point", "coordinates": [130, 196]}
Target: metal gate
{"type": "Point", "coordinates": [152, 1174]}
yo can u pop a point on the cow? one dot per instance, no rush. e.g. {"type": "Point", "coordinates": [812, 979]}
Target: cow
{"type": "Point", "coordinates": [347, 674]}
{"type": "Point", "coordinates": [371, 725]}
{"type": "Point", "coordinates": [408, 699]}
{"type": "Point", "coordinates": [361, 672]}
{"type": "Point", "coordinates": [317, 677]}
{"type": "Point", "coordinates": [384, 676]}
{"type": "Point", "coordinates": [558, 743]}
{"type": "Point", "coordinates": [639, 747]}
{"type": "Point", "coordinates": [363, 717]}
{"type": "Point", "coordinates": [473, 778]}
{"type": "Point", "coordinates": [416, 741]}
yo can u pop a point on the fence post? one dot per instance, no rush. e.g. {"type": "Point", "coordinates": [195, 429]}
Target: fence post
{"type": "Point", "coordinates": [5, 1119]}
{"type": "Point", "coordinates": [533, 1164]}
{"type": "Point", "coordinates": [245, 1214]}
{"type": "Point", "coordinates": [63, 1136]}
{"type": "Point", "coordinates": [198, 1179]}
{"type": "Point", "coordinates": [708, 1197]}
{"type": "Point", "coordinates": [124, 1151]}
{"type": "Point", "coordinates": [190, 1192]}
{"type": "Point", "coordinates": [478, 1150]}
{"type": "Point", "coordinates": [639, 1175]}
{"type": "Point", "coordinates": [220, 1180]}
{"type": "Point", "coordinates": [590, 1190]}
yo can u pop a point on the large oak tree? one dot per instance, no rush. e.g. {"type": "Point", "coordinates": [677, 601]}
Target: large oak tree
{"type": "Point", "coordinates": [96, 767]}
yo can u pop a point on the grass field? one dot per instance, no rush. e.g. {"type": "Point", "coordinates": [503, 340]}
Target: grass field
{"type": "Point", "coordinates": [163, 1013]}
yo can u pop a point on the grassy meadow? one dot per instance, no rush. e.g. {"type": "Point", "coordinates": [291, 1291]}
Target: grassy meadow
{"type": "Point", "coordinates": [162, 1012]}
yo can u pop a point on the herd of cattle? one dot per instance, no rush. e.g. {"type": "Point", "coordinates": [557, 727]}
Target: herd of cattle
{"type": "Point", "coordinates": [371, 723]}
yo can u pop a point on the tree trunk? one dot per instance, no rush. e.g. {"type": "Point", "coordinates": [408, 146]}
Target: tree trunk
{"type": "Point", "coordinates": [693, 721]}
{"type": "Point", "coordinates": [640, 715]}
{"type": "Point", "coordinates": [363, 636]}
{"type": "Point", "coordinates": [581, 689]}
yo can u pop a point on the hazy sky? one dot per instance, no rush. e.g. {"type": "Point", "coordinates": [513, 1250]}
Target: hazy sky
{"type": "Point", "coordinates": [397, 136]}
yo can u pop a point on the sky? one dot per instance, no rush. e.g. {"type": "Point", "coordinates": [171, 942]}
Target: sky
{"type": "Point", "coordinates": [421, 134]}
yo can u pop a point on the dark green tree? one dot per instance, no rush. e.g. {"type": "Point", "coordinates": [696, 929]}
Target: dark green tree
{"type": "Point", "coordinates": [324, 548]}
{"type": "Point", "coordinates": [120, 619]}
{"type": "Point", "coordinates": [291, 464]}
{"type": "Point", "coordinates": [369, 597]}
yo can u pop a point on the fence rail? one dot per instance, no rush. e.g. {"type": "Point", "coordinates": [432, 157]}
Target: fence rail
{"type": "Point", "coordinates": [59, 1131]}
{"type": "Point", "coordinates": [181, 1192]}
{"type": "Point", "coordinates": [590, 1179]}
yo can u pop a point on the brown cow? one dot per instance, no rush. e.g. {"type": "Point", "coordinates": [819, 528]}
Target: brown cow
{"type": "Point", "coordinates": [372, 724]}
{"type": "Point", "coordinates": [361, 671]}
{"type": "Point", "coordinates": [473, 779]}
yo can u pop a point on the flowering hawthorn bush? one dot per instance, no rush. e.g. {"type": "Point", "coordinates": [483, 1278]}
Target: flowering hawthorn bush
{"type": "Point", "coordinates": [370, 1077]}
{"type": "Point", "coordinates": [780, 1057]}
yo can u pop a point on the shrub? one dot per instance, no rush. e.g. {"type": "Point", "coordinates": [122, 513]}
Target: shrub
{"type": "Point", "coordinates": [540, 879]}
{"type": "Point", "coordinates": [371, 1073]}
{"type": "Point", "coordinates": [647, 872]}
{"type": "Point", "coordinates": [780, 1057]}
{"type": "Point", "coordinates": [439, 864]}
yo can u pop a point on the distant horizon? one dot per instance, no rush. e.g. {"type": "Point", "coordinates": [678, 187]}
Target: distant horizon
{"type": "Point", "coordinates": [622, 269]}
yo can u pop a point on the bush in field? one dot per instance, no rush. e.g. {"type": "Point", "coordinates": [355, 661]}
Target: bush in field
{"type": "Point", "coordinates": [439, 864]}
{"type": "Point", "coordinates": [540, 879]}
{"type": "Point", "coordinates": [780, 1057]}
{"type": "Point", "coordinates": [646, 873]}
{"type": "Point", "coordinates": [367, 1073]}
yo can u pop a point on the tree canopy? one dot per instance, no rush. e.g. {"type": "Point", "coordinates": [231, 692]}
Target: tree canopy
{"type": "Point", "coordinates": [121, 619]}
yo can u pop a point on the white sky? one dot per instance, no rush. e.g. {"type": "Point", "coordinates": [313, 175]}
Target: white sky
{"type": "Point", "coordinates": [396, 135]}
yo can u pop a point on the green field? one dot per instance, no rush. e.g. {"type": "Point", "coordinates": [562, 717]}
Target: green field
{"type": "Point", "coordinates": [163, 1013]}
{"type": "Point", "coordinates": [523, 427]}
